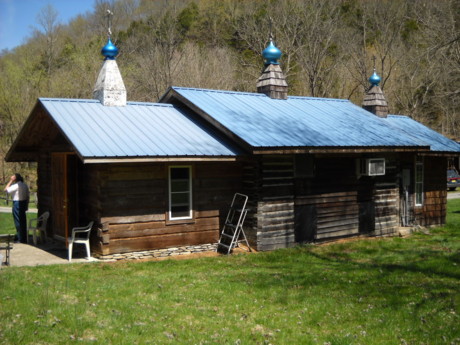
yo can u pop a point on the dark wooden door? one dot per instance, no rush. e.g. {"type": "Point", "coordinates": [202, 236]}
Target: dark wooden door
{"type": "Point", "coordinates": [72, 191]}
{"type": "Point", "coordinates": [59, 195]}
{"type": "Point", "coordinates": [64, 194]}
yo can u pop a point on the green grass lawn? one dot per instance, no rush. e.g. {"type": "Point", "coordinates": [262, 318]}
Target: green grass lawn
{"type": "Point", "coordinates": [6, 219]}
{"type": "Point", "coordinates": [7, 223]}
{"type": "Point", "coordinates": [376, 291]}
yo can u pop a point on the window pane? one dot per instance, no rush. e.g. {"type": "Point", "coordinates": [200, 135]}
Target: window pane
{"type": "Point", "coordinates": [419, 194]}
{"type": "Point", "coordinates": [179, 185]}
{"type": "Point", "coordinates": [419, 183]}
{"type": "Point", "coordinates": [180, 192]}
{"type": "Point", "coordinates": [377, 167]}
{"type": "Point", "coordinates": [179, 198]}
{"type": "Point", "coordinates": [179, 173]}
{"type": "Point", "coordinates": [180, 212]}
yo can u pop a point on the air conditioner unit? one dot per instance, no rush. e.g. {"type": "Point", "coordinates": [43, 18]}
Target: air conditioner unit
{"type": "Point", "coordinates": [372, 167]}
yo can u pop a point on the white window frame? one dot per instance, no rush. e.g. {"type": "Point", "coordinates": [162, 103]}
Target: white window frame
{"type": "Point", "coordinates": [418, 183]}
{"type": "Point", "coordinates": [170, 192]}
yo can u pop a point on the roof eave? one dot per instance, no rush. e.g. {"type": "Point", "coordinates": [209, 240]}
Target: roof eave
{"type": "Point", "coordinates": [10, 155]}
{"type": "Point", "coordinates": [156, 159]}
{"type": "Point", "coordinates": [441, 153]}
{"type": "Point", "coordinates": [339, 149]}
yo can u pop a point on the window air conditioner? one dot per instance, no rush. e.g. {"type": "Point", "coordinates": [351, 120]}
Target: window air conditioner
{"type": "Point", "coordinates": [372, 167]}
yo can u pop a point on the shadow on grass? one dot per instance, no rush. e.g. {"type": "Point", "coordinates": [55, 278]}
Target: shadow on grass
{"type": "Point", "coordinates": [428, 263]}
{"type": "Point", "coordinates": [393, 276]}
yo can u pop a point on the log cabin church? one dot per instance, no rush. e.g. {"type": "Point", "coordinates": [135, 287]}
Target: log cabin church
{"type": "Point", "coordinates": [156, 175]}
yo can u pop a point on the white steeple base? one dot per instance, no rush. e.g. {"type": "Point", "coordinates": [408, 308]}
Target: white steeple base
{"type": "Point", "coordinates": [110, 89]}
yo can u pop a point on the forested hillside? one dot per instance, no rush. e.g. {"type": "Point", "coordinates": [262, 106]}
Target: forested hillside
{"type": "Point", "coordinates": [328, 48]}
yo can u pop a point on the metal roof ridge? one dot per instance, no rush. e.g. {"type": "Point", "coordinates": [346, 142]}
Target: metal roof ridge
{"type": "Point", "coordinates": [82, 100]}
{"type": "Point", "coordinates": [151, 104]}
{"type": "Point", "coordinates": [400, 116]}
{"type": "Point", "coordinates": [74, 100]}
{"type": "Point", "coordinates": [219, 91]}
{"type": "Point", "coordinates": [310, 98]}
{"type": "Point", "coordinates": [256, 94]}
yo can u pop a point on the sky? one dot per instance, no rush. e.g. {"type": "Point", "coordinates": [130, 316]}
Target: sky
{"type": "Point", "coordinates": [18, 17]}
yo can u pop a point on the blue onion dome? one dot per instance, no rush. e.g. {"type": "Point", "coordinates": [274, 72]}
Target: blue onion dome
{"type": "Point", "coordinates": [374, 79]}
{"type": "Point", "coordinates": [109, 50]}
{"type": "Point", "coordinates": [271, 54]}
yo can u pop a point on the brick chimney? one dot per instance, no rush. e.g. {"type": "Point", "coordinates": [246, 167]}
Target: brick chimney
{"type": "Point", "coordinates": [272, 82]}
{"type": "Point", "coordinates": [374, 99]}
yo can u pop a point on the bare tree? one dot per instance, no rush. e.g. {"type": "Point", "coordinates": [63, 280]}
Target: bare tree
{"type": "Point", "coordinates": [47, 18]}
{"type": "Point", "coordinates": [442, 38]}
{"type": "Point", "coordinates": [156, 49]}
{"type": "Point", "coordinates": [318, 53]}
{"type": "Point", "coordinates": [206, 67]}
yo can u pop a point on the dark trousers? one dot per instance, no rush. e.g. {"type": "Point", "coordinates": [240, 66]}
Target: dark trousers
{"type": "Point", "coordinates": [20, 219]}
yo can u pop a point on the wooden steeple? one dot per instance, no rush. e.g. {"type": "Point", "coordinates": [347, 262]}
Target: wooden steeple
{"type": "Point", "coordinates": [272, 82]}
{"type": "Point", "coordinates": [374, 99]}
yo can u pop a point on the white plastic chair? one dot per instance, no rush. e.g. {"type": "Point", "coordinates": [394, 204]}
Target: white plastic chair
{"type": "Point", "coordinates": [38, 225]}
{"type": "Point", "coordinates": [80, 235]}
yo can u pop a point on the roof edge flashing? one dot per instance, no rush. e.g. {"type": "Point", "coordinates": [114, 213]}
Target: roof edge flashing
{"type": "Point", "coordinates": [106, 160]}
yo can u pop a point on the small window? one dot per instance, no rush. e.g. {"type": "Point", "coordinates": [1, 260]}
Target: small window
{"type": "Point", "coordinates": [371, 167]}
{"type": "Point", "coordinates": [376, 167]}
{"type": "Point", "coordinates": [419, 182]}
{"type": "Point", "coordinates": [180, 193]}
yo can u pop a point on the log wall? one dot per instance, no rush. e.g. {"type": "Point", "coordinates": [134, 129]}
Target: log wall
{"type": "Point", "coordinates": [268, 181]}
{"type": "Point", "coordinates": [275, 217]}
{"type": "Point", "coordinates": [386, 199]}
{"type": "Point", "coordinates": [297, 205]}
{"type": "Point", "coordinates": [335, 215]}
{"type": "Point", "coordinates": [287, 205]}
{"type": "Point", "coordinates": [251, 187]}
{"type": "Point", "coordinates": [333, 196]}
{"type": "Point", "coordinates": [134, 205]}
{"type": "Point", "coordinates": [433, 212]}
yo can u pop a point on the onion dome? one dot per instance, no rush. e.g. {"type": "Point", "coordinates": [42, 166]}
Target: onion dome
{"type": "Point", "coordinates": [375, 79]}
{"type": "Point", "coordinates": [110, 51]}
{"type": "Point", "coordinates": [374, 99]}
{"type": "Point", "coordinates": [271, 54]}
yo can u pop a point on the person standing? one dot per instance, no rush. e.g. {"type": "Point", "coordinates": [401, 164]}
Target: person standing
{"type": "Point", "coordinates": [20, 195]}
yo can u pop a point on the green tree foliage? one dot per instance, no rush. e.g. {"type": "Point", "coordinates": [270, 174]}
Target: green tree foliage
{"type": "Point", "coordinates": [328, 48]}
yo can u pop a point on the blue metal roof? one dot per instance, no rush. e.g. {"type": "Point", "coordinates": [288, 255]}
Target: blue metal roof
{"type": "Point", "coordinates": [149, 130]}
{"type": "Point", "coordinates": [298, 121]}
{"type": "Point", "coordinates": [135, 130]}
{"type": "Point", "coordinates": [410, 127]}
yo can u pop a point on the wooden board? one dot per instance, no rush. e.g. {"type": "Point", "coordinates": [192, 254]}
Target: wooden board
{"type": "Point", "coordinates": [123, 245]}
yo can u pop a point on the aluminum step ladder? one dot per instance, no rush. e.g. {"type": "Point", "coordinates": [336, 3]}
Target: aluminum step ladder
{"type": "Point", "coordinates": [233, 226]}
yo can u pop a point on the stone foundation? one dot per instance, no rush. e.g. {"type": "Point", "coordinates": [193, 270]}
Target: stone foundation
{"type": "Point", "coordinates": [159, 253]}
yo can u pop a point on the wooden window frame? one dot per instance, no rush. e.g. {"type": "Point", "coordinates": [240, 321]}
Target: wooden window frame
{"type": "Point", "coordinates": [190, 191]}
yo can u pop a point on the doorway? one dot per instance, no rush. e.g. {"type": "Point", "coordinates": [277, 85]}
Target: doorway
{"type": "Point", "coordinates": [64, 185]}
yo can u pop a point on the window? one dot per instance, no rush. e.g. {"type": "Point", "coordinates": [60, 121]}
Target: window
{"type": "Point", "coordinates": [371, 167]}
{"type": "Point", "coordinates": [419, 182]}
{"type": "Point", "coordinates": [180, 193]}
